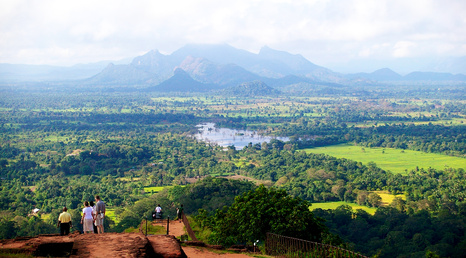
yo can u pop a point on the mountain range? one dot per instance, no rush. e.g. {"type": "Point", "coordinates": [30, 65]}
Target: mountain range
{"type": "Point", "coordinates": [386, 75]}
{"type": "Point", "coordinates": [210, 67]}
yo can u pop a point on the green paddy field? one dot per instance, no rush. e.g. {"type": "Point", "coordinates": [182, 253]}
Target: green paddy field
{"type": "Point", "coordinates": [387, 198]}
{"type": "Point", "coordinates": [334, 205]}
{"type": "Point", "coordinates": [394, 160]}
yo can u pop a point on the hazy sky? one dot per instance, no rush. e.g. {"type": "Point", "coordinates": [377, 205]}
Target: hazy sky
{"type": "Point", "coordinates": [327, 32]}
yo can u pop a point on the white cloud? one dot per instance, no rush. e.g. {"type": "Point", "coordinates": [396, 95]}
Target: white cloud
{"type": "Point", "coordinates": [372, 50]}
{"type": "Point", "coordinates": [324, 31]}
{"type": "Point", "coordinates": [403, 49]}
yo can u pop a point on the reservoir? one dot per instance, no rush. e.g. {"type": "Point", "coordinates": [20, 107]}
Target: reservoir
{"type": "Point", "coordinates": [228, 137]}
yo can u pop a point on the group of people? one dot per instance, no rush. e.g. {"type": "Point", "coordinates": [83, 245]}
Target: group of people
{"type": "Point", "coordinates": [157, 214]}
{"type": "Point", "coordinates": [92, 218]}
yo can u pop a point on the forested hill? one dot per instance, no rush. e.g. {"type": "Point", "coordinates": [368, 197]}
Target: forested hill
{"type": "Point", "coordinates": [251, 89]}
{"type": "Point", "coordinates": [181, 82]}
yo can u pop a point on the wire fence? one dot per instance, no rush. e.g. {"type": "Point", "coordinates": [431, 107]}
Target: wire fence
{"type": "Point", "coordinates": [283, 246]}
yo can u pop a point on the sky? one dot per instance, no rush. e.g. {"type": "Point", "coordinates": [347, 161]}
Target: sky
{"type": "Point", "coordinates": [338, 34]}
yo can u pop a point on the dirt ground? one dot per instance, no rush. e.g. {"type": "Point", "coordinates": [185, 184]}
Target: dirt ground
{"type": "Point", "coordinates": [85, 245]}
{"type": "Point", "coordinates": [198, 252]}
{"type": "Point", "coordinates": [112, 245]}
{"type": "Point", "coordinates": [177, 229]}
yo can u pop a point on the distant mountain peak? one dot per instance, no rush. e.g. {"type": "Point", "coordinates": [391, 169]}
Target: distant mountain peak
{"type": "Point", "coordinates": [266, 50]}
{"type": "Point", "coordinates": [181, 82]}
{"type": "Point", "coordinates": [149, 59]}
{"type": "Point", "coordinates": [180, 72]}
{"type": "Point", "coordinates": [295, 63]}
{"type": "Point", "coordinates": [153, 52]}
{"type": "Point", "coordinates": [386, 72]}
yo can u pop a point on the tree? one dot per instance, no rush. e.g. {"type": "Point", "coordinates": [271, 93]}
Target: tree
{"type": "Point", "coordinates": [374, 200]}
{"type": "Point", "coordinates": [398, 204]}
{"type": "Point", "coordinates": [7, 229]}
{"type": "Point", "coordinates": [362, 197]}
{"type": "Point", "coordinates": [263, 210]}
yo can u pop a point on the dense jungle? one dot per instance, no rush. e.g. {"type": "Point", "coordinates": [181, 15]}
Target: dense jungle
{"type": "Point", "coordinates": [136, 149]}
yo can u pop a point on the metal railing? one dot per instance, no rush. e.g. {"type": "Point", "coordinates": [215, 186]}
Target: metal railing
{"type": "Point", "coordinates": [283, 246]}
{"type": "Point", "coordinates": [144, 221]}
{"type": "Point", "coordinates": [162, 222]}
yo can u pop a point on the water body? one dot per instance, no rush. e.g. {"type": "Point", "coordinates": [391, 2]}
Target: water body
{"type": "Point", "coordinates": [228, 137]}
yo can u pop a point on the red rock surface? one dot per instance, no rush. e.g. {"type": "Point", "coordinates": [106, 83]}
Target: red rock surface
{"type": "Point", "coordinates": [106, 245]}
{"type": "Point", "coordinates": [166, 246]}
{"type": "Point", "coordinates": [112, 245]}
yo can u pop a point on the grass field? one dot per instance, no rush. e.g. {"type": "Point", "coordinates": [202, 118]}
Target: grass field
{"type": "Point", "coordinates": [334, 205]}
{"type": "Point", "coordinates": [153, 189]}
{"type": "Point", "coordinates": [156, 189]}
{"type": "Point", "coordinates": [387, 198]}
{"type": "Point", "coordinates": [395, 160]}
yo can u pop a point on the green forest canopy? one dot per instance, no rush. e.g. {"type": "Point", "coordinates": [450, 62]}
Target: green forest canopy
{"type": "Point", "coordinates": [60, 149]}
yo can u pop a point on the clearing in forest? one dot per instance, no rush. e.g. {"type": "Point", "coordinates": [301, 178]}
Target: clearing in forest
{"type": "Point", "coordinates": [394, 160]}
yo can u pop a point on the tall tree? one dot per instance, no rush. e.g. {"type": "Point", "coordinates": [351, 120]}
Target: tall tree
{"type": "Point", "coordinates": [263, 210]}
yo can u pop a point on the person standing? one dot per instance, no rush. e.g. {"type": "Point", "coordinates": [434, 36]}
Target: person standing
{"type": "Point", "coordinates": [87, 218]}
{"type": "Point", "coordinates": [179, 212]}
{"type": "Point", "coordinates": [158, 212]}
{"type": "Point", "coordinates": [64, 222]}
{"type": "Point", "coordinates": [100, 214]}
{"type": "Point", "coordinates": [91, 203]}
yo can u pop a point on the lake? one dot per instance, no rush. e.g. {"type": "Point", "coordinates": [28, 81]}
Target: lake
{"type": "Point", "coordinates": [228, 137]}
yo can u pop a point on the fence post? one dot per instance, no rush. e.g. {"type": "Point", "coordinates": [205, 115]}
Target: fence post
{"type": "Point", "coordinates": [168, 223]}
{"type": "Point", "coordinates": [277, 245]}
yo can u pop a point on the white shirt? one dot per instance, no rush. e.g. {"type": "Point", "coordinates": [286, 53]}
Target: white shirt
{"type": "Point", "coordinates": [87, 213]}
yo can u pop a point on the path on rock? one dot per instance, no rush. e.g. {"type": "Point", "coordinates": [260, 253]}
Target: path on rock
{"type": "Point", "coordinates": [177, 229]}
